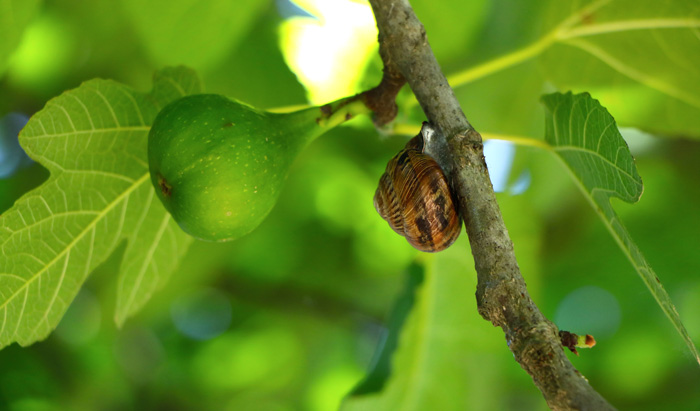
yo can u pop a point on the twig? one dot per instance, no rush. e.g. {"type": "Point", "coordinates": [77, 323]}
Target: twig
{"type": "Point", "coordinates": [502, 296]}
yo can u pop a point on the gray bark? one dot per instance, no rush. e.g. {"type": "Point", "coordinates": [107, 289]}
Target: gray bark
{"type": "Point", "coordinates": [501, 293]}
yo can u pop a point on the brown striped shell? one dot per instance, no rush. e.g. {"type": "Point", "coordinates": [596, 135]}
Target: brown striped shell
{"type": "Point", "coordinates": [414, 197]}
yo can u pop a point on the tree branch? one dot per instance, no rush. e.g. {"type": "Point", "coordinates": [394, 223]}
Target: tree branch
{"type": "Point", "coordinates": [502, 296]}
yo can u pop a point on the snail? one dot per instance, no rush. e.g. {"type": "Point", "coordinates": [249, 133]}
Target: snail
{"type": "Point", "coordinates": [415, 198]}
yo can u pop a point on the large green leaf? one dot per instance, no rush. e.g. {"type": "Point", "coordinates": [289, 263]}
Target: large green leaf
{"type": "Point", "coordinates": [381, 364]}
{"type": "Point", "coordinates": [641, 58]}
{"type": "Point", "coordinates": [423, 370]}
{"type": "Point", "coordinates": [191, 32]}
{"type": "Point", "coordinates": [14, 17]}
{"type": "Point", "coordinates": [93, 141]}
{"type": "Point", "coordinates": [437, 363]}
{"type": "Point", "coordinates": [585, 137]}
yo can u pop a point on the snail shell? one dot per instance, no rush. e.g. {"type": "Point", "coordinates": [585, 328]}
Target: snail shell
{"type": "Point", "coordinates": [414, 197]}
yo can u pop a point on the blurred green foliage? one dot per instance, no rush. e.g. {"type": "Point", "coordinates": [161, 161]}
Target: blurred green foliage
{"type": "Point", "coordinates": [309, 292]}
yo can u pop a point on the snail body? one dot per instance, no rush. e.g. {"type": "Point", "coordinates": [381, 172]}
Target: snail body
{"type": "Point", "coordinates": [414, 197]}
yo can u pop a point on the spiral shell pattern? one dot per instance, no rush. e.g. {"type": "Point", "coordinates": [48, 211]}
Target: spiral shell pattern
{"type": "Point", "coordinates": [414, 197]}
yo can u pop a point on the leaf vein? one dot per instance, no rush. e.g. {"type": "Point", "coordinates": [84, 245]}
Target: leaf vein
{"type": "Point", "coordinates": [45, 315]}
{"type": "Point", "coordinates": [92, 131]}
{"type": "Point", "coordinates": [634, 74]}
{"type": "Point", "coordinates": [147, 261]}
{"type": "Point", "coordinates": [109, 106]}
{"type": "Point", "coordinates": [595, 154]}
{"type": "Point", "coordinates": [77, 238]}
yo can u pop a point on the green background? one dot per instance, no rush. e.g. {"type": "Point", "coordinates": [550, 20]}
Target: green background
{"type": "Point", "coordinates": [302, 302]}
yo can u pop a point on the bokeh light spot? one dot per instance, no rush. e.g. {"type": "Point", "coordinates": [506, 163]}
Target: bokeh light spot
{"type": "Point", "coordinates": [329, 389]}
{"type": "Point", "coordinates": [343, 196]}
{"type": "Point", "coordinates": [638, 141]}
{"type": "Point", "coordinates": [139, 352]}
{"type": "Point", "coordinates": [521, 184]}
{"type": "Point", "coordinates": [202, 314]}
{"type": "Point", "coordinates": [44, 55]}
{"type": "Point", "coordinates": [589, 310]}
{"type": "Point", "coordinates": [380, 250]}
{"type": "Point", "coordinates": [265, 358]}
{"type": "Point", "coordinates": [330, 51]}
{"type": "Point", "coordinates": [12, 156]}
{"type": "Point", "coordinates": [499, 159]}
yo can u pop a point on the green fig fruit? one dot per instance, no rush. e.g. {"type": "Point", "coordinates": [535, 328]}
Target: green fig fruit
{"type": "Point", "coordinates": [218, 165]}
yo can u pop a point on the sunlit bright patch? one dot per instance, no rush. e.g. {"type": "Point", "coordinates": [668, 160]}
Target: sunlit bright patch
{"type": "Point", "coordinates": [329, 53]}
{"type": "Point", "coordinates": [521, 183]}
{"type": "Point", "coordinates": [328, 390]}
{"type": "Point", "coordinates": [260, 358]}
{"type": "Point", "coordinates": [44, 55]}
{"type": "Point", "coordinates": [639, 141]}
{"type": "Point", "coordinates": [499, 159]}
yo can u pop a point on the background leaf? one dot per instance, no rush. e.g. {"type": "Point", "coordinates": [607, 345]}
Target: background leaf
{"type": "Point", "coordinates": [628, 52]}
{"type": "Point", "coordinates": [452, 32]}
{"type": "Point", "coordinates": [381, 364]}
{"type": "Point", "coordinates": [428, 361]}
{"type": "Point", "coordinates": [15, 15]}
{"type": "Point", "coordinates": [640, 59]}
{"type": "Point", "coordinates": [584, 135]}
{"type": "Point", "coordinates": [93, 141]}
{"type": "Point", "coordinates": [187, 32]}
{"type": "Point", "coordinates": [431, 367]}
{"type": "Point", "coordinates": [305, 324]}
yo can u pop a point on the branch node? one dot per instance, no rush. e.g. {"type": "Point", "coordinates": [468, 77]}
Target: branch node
{"type": "Point", "coordinates": [382, 99]}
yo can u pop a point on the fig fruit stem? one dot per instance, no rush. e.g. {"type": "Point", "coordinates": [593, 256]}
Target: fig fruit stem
{"type": "Point", "coordinates": [340, 111]}
{"type": "Point", "coordinates": [326, 117]}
